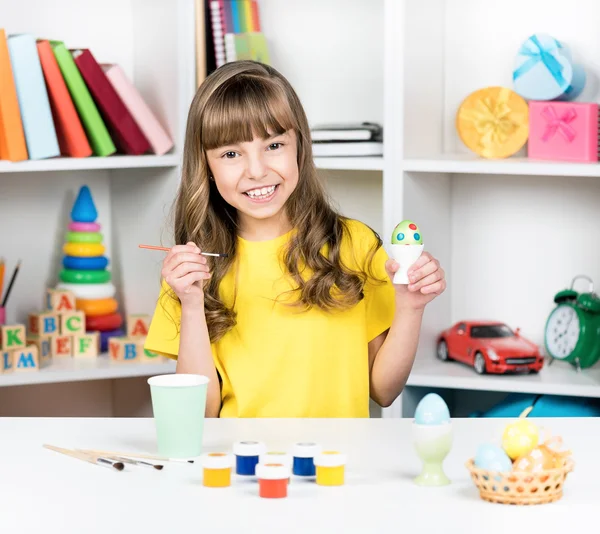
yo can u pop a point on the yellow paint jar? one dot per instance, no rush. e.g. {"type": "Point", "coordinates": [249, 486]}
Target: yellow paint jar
{"type": "Point", "coordinates": [330, 467]}
{"type": "Point", "coordinates": [217, 469]}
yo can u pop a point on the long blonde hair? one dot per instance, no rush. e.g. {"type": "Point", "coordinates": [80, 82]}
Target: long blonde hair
{"type": "Point", "coordinates": [236, 103]}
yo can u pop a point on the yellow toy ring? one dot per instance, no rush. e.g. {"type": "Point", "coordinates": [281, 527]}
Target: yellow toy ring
{"type": "Point", "coordinates": [97, 307]}
{"type": "Point", "coordinates": [83, 250]}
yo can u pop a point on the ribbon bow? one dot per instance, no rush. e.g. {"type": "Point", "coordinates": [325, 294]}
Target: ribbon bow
{"type": "Point", "coordinates": [491, 120]}
{"type": "Point", "coordinates": [543, 55]}
{"type": "Point", "coordinates": [556, 123]}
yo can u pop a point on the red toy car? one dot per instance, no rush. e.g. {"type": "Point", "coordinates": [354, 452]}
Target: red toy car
{"type": "Point", "coordinates": [489, 347]}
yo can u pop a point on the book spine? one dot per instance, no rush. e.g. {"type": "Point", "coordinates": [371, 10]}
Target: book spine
{"type": "Point", "coordinates": [12, 135]}
{"type": "Point", "coordinates": [69, 130]}
{"type": "Point", "coordinates": [217, 31]}
{"type": "Point", "coordinates": [158, 138]}
{"type": "Point", "coordinates": [98, 135]}
{"type": "Point", "coordinates": [255, 17]}
{"type": "Point", "coordinates": [126, 132]}
{"type": "Point", "coordinates": [34, 105]}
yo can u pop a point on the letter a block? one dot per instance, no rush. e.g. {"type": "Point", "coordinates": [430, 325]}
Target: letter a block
{"type": "Point", "coordinates": [62, 346]}
{"type": "Point", "coordinates": [26, 359]}
{"type": "Point", "coordinates": [138, 325]}
{"type": "Point", "coordinates": [60, 300]}
{"type": "Point", "coordinates": [72, 323]}
{"type": "Point", "coordinates": [12, 336]}
{"type": "Point", "coordinates": [86, 345]}
{"type": "Point", "coordinates": [44, 323]}
{"type": "Point", "coordinates": [124, 349]}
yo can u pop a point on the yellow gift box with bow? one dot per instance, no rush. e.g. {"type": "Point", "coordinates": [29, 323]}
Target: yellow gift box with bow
{"type": "Point", "coordinates": [493, 122]}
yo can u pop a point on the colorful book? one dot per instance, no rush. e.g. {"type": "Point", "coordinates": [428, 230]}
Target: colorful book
{"type": "Point", "coordinates": [12, 136]}
{"type": "Point", "coordinates": [69, 130]}
{"type": "Point", "coordinates": [247, 46]}
{"type": "Point", "coordinates": [127, 134]}
{"type": "Point", "coordinates": [34, 105]}
{"type": "Point", "coordinates": [96, 130]}
{"type": "Point", "coordinates": [158, 138]}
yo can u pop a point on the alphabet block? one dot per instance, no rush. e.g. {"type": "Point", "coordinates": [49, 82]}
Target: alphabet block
{"type": "Point", "coordinates": [62, 346]}
{"type": "Point", "coordinates": [43, 323]}
{"type": "Point", "coordinates": [6, 364]}
{"type": "Point", "coordinates": [12, 336]}
{"type": "Point", "coordinates": [124, 349]}
{"type": "Point", "coordinates": [44, 346]}
{"type": "Point", "coordinates": [72, 323]}
{"type": "Point", "coordinates": [138, 325]}
{"type": "Point", "coordinates": [86, 345]}
{"type": "Point", "coordinates": [147, 356]}
{"type": "Point", "coordinates": [60, 300]}
{"type": "Point", "coordinates": [26, 359]}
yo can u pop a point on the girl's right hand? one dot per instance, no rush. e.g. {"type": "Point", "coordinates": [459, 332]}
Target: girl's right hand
{"type": "Point", "coordinates": [185, 270]}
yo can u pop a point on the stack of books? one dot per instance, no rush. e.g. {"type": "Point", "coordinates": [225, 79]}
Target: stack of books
{"type": "Point", "coordinates": [56, 101]}
{"type": "Point", "coordinates": [347, 139]}
{"type": "Point", "coordinates": [236, 31]}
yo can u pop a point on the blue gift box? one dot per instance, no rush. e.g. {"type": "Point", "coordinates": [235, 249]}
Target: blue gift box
{"type": "Point", "coordinates": [544, 70]}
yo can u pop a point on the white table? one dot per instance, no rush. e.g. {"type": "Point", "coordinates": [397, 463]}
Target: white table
{"type": "Point", "coordinates": [44, 491]}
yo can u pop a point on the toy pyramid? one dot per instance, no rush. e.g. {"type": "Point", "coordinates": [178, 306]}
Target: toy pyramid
{"type": "Point", "coordinates": [85, 271]}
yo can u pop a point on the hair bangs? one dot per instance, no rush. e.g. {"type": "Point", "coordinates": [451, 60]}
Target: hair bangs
{"type": "Point", "coordinates": [248, 107]}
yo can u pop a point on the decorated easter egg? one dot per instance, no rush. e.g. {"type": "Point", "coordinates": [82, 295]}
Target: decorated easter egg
{"type": "Point", "coordinates": [520, 438]}
{"type": "Point", "coordinates": [407, 233]}
{"type": "Point", "coordinates": [493, 458]}
{"type": "Point", "coordinates": [432, 410]}
{"type": "Point", "coordinates": [538, 459]}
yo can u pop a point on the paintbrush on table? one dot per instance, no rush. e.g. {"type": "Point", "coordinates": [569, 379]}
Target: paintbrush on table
{"type": "Point", "coordinates": [128, 460]}
{"type": "Point", "coordinates": [91, 458]}
{"type": "Point", "coordinates": [136, 455]}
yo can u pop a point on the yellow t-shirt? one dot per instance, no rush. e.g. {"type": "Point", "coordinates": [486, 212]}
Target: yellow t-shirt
{"type": "Point", "coordinates": [280, 361]}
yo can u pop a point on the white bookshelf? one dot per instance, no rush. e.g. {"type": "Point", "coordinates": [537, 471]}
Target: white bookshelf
{"type": "Point", "coordinates": [510, 233]}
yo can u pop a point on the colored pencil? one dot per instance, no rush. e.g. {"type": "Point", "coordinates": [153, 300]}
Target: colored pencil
{"type": "Point", "coordinates": [1, 276]}
{"type": "Point", "coordinates": [10, 284]}
{"type": "Point", "coordinates": [152, 247]}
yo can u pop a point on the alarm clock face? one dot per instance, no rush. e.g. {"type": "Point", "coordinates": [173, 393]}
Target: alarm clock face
{"type": "Point", "coordinates": [562, 332]}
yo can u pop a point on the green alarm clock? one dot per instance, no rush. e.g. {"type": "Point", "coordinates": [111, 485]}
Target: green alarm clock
{"type": "Point", "coordinates": [572, 331]}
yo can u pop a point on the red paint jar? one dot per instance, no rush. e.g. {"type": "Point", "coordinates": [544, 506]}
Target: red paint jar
{"type": "Point", "coordinates": [272, 480]}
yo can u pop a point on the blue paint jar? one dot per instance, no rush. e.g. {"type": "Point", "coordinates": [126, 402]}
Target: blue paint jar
{"type": "Point", "coordinates": [304, 456]}
{"type": "Point", "coordinates": [247, 454]}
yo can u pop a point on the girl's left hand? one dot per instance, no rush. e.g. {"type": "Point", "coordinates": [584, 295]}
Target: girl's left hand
{"type": "Point", "coordinates": [427, 281]}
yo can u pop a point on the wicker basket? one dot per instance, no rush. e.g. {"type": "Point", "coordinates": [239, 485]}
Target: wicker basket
{"type": "Point", "coordinates": [520, 487]}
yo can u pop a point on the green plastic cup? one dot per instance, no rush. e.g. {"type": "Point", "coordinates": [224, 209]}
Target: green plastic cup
{"type": "Point", "coordinates": [178, 403]}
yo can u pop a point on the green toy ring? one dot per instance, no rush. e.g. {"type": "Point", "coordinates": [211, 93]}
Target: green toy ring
{"type": "Point", "coordinates": [83, 237]}
{"type": "Point", "coordinates": [73, 276]}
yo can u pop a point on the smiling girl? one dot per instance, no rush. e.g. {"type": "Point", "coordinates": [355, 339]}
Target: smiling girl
{"type": "Point", "coordinates": [301, 318]}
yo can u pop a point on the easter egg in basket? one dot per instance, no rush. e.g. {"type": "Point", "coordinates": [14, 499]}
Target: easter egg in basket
{"type": "Point", "coordinates": [492, 458]}
{"type": "Point", "coordinates": [520, 438]}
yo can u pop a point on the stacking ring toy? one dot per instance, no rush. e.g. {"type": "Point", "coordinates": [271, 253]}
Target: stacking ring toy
{"type": "Point", "coordinates": [97, 307]}
{"type": "Point", "coordinates": [103, 323]}
{"type": "Point", "coordinates": [83, 250]}
{"type": "Point", "coordinates": [104, 336]}
{"type": "Point", "coordinates": [75, 276]}
{"type": "Point", "coordinates": [83, 237]}
{"type": "Point", "coordinates": [96, 263]}
{"type": "Point", "coordinates": [84, 227]}
{"type": "Point", "coordinates": [90, 291]}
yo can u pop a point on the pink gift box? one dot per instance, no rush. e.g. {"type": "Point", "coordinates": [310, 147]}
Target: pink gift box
{"type": "Point", "coordinates": [563, 131]}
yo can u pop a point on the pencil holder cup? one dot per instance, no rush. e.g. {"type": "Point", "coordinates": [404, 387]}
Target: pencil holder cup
{"type": "Point", "coordinates": [2, 316]}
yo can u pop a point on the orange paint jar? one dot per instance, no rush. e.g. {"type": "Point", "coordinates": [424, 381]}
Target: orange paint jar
{"type": "Point", "coordinates": [217, 468]}
{"type": "Point", "coordinates": [272, 480]}
{"type": "Point", "coordinates": [277, 457]}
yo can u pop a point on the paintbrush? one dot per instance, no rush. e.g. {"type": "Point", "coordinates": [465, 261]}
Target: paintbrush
{"type": "Point", "coordinates": [10, 284]}
{"type": "Point", "coordinates": [91, 458]}
{"type": "Point", "coordinates": [135, 455]}
{"type": "Point", "coordinates": [129, 460]}
{"type": "Point", "coordinates": [152, 247]}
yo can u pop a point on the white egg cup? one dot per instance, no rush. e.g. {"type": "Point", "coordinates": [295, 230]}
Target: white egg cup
{"type": "Point", "coordinates": [406, 256]}
{"type": "Point", "coordinates": [433, 443]}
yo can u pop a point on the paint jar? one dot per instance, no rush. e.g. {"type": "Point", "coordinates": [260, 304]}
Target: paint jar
{"type": "Point", "coordinates": [247, 454]}
{"type": "Point", "coordinates": [330, 467]}
{"type": "Point", "coordinates": [272, 480]}
{"type": "Point", "coordinates": [277, 457]}
{"type": "Point", "coordinates": [304, 454]}
{"type": "Point", "coordinates": [217, 468]}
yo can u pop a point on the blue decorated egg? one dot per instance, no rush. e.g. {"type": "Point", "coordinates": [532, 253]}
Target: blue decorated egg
{"type": "Point", "coordinates": [432, 410]}
{"type": "Point", "coordinates": [492, 458]}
